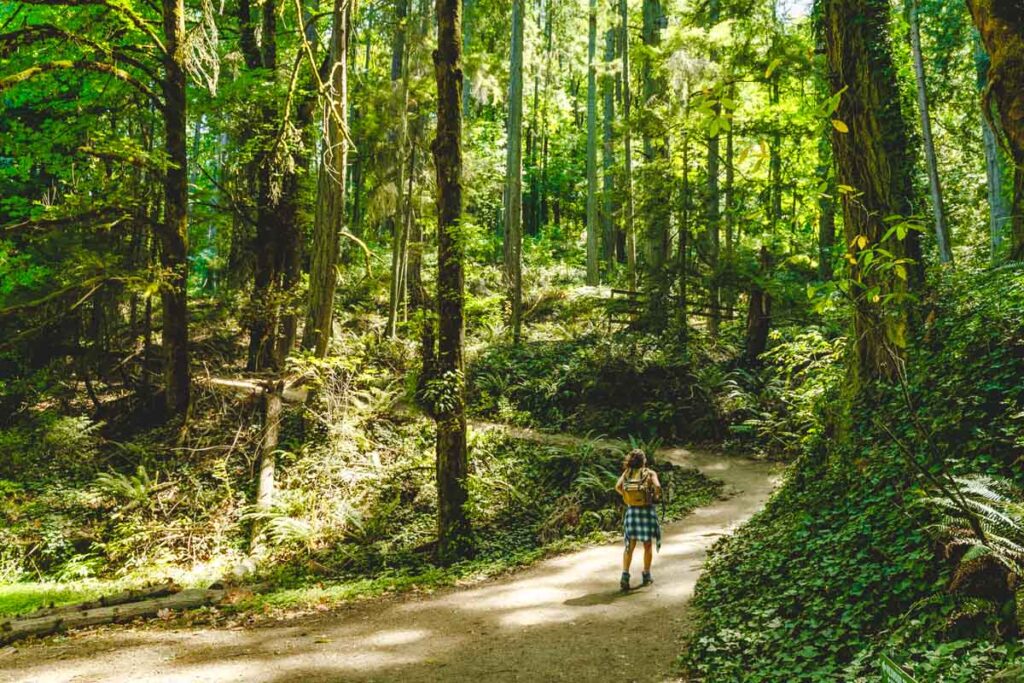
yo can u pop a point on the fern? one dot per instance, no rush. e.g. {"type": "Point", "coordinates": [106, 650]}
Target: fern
{"type": "Point", "coordinates": [997, 507]}
{"type": "Point", "coordinates": [136, 489]}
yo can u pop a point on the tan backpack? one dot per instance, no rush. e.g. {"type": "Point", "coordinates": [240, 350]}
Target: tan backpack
{"type": "Point", "coordinates": [638, 488]}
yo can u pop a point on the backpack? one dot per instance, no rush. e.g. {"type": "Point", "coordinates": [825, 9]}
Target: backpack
{"type": "Point", "coordinates": [638, 491]}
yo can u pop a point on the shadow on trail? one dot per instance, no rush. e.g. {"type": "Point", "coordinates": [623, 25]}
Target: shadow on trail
{"type": "Point", "coordinates": [602, 598]}
{"type": "Point", "coordinates": [561, 619]}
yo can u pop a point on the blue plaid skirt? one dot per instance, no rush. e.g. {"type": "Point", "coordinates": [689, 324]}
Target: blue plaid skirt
{"type": "Point", "coordinates": [640, 524]}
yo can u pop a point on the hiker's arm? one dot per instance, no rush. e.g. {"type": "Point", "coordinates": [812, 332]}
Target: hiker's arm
{"type": "Point", "coordinates": [657, 482]}
{"type": "Point", "coordinates": [618, 484]}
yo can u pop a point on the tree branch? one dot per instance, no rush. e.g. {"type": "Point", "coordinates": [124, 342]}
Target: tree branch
{"type": "Point", "coordinates": [14, 40]}
{"type": "Point", "coordinates": [77, 64]}
{"type": "Point", "coordinates": [127, 13]}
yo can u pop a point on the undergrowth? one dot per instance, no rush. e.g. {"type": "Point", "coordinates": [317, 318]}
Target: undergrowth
{"type": "Point", "coordinates": [847, 561]}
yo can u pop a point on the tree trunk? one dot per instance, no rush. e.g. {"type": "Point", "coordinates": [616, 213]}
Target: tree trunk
{"type": "Point", "coordinates": [330, 202]}
{"type": "Point", "coordinates": [684, 240]}
{"type": "Point", "coordinates": [191, 598]}
{"type": "Point", "coordinates": [514, 176]}
{"type": "Point", "coordinates": [608, 154]}
{"type": "Point", "coordinates": [759, 313]}
{"type": "Point", "coordinates": [400, 238]}
{"type": "Point", "coordinates": [871, 158]}
{"type": "Point", "coordinates": [657, 202]}
{"type": "Point", "coordinates": [730, 221]}
{"type": "Point", "coordinates": [1001, 25]}
{"type": "Point", "coordinates": [999, 212]}
{"type": "Point", "coordinates": [712, 213]}
{"type": "Point", "coordinates": [542, 202]}
{"type": "Point", "coordinates": [627, 143]}
{"type": "Point", "coordinates": [452, 460]}
{"type": "Point", "coordinates": [938, 210]}
{"type": "Point", "coordinates": [174, 231]}
{"type": "Point", "coordinates": [265, 297]}
{"type": "Point", "coordinates": [593, 269]}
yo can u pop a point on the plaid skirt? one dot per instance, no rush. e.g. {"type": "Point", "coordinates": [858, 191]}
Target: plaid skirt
{"type": "Point", "coordinates": [641, 525]}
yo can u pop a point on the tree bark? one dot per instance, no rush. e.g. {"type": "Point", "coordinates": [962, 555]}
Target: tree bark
{"type": "Point", "coordinates": [174, 231]}
{"type": "Point", "coordinates": [1001, 25]}
{"type": "Point", "coordinates": [16, 629]}
{"type": "Point", "coordinates": [683, 261]}
{"type": "Point", "coordinates": [593, 269]}
{"type": "Point", "coordinates": [627, 143]}
{"type": "Point", "coordinates": [330, 203]}
{"type": "Point", "coordinates": [400, 238]}
{"type": "Point", "coordinates": [712, 213]}
{"type": "Point", "coordinates": [999, 212]}
{"type": "Point", "coordinates": [942, 237]}
{"type": "Point", "coordinates": [608, 154]}
{"type": "Point", "coordinates": [657, 197]}
{"type": "Point", "coordinates": [514, 176]}
{"type": "Point", "coordinates": [872, 159]}
{"type": "Point", "coordinates": [452, 459]}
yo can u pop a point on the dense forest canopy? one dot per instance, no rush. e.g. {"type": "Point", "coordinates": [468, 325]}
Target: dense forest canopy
{"type": "Point", "coordinates": [268, 266]}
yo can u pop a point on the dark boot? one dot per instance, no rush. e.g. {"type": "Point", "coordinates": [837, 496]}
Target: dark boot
{"type": "Point", "coordinates": [624, 581]}
{"type": "Point", "coordinates": [647, 579]}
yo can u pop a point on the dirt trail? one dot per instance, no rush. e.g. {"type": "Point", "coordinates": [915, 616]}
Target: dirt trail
{"type": "Point", "coordinates": [561, 619]}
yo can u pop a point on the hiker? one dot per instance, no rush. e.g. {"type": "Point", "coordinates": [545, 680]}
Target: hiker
{"type": "Point", "coordinates": [640, 489]}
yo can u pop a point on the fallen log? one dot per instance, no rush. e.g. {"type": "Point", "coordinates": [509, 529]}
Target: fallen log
{"type": "Point", "coordinates": [135, 595]}
{"type": "Point", "coordinates": [16, 629]}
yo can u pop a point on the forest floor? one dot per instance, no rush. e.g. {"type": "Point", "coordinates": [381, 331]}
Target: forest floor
{"type": "Point", "coordinates": [561, 619]}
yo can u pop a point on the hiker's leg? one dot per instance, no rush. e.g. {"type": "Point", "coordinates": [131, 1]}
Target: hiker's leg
{"type": "Point", "coordinates": [648, 556]}
{"type": "Point", "coordinates": [627, 555]}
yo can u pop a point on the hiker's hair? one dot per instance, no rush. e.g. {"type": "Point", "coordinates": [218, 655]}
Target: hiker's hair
{"type": "Point", "coordinates": [635, 459]}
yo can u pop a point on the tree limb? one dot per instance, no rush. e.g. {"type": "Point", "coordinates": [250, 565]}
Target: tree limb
{"type": "Point", "coordinates": [127, 13]}
{"type": "Point", "coordinates": [14, 40]}
{"type": "Point", "coordinates": [88, 64]}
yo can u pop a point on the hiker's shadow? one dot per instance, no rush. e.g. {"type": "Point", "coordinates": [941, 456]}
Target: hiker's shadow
{"type": "Point", "coordinates": [602, 598]}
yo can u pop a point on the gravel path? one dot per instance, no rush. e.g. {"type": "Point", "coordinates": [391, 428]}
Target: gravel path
{"type": "Point", "coordinates": [562, 619]}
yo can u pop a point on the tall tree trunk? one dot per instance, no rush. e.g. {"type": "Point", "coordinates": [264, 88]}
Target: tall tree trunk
{"type": "Point", "coordinates": [174, 231]}
{"type": "Point", "coordinates": [542, 203]}
{"type": "Point", "coordinates": [608, 154]}
{"type": "Point", "coordinates": [627, 143]}
{"type": "Point", "coordinates": [730, 219]}
{"type": "Point", "coordinates": [872, 159]}
{"type": "Point", "coordinates": [514, 176]}
{"type": "Point", "coordinates": [330, 203]}
{"type": "Point", "coordinates": [265, 298]}
{"type": "Point", "coordinates": [657, 204]}
{"type": "Point", "coordinates": [452, 460]}
{"type": "Point", "coordinates": [1001, 25]}
{"type": "Point", "coordinates": [999, 212]}
{"type": "Point", "coordinates": [593, 269]}
{"type": "Point", "coordinates": [938, 209]}
{"type": "Point", "coordinates": [683, 261]}
{"type": "Point", "coordinates": [712, 212]}
{"type": "Point", "coordinates": [399, 238]}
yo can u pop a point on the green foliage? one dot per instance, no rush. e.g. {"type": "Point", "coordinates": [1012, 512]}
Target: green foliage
{"type": "Point", "coordinates": [998, 509]}
{"type": "Point", "coordinates": [613, 385]}
{"type": "Point", "coordinates": [781, 408]}
{"type": "Point", "coordinates": [841, 565]}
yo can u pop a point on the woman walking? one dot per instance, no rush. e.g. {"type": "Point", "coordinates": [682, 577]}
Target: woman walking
{"type": "Point", "coordinates": [640, 489]}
